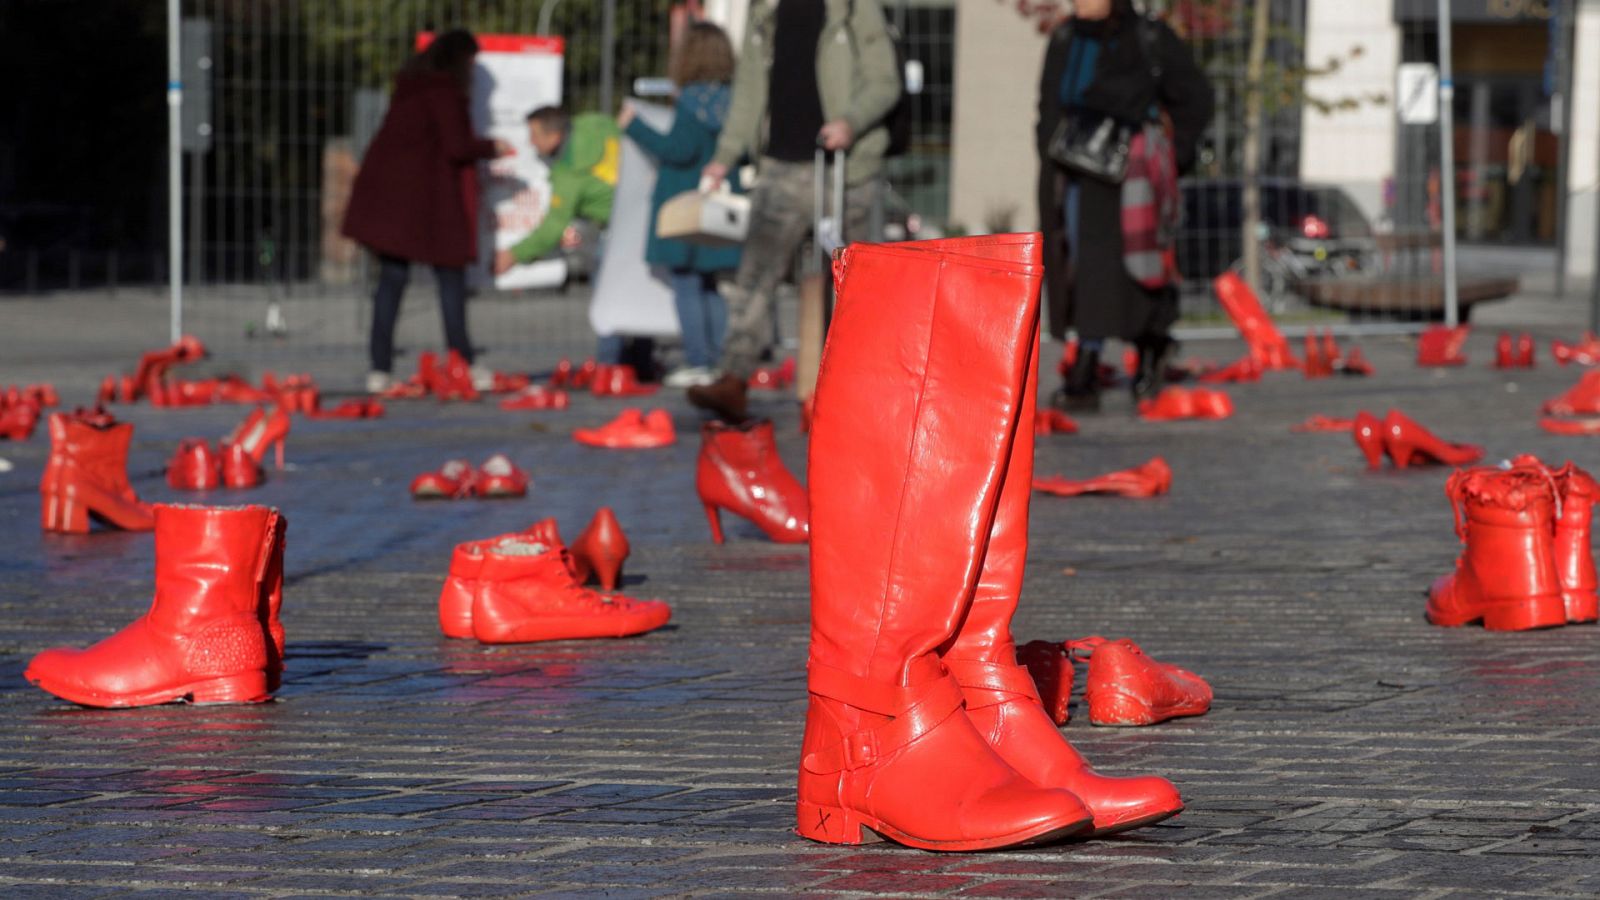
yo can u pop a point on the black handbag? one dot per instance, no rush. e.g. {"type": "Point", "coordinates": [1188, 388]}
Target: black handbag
{"type": "Point", "coordinates": [1096, 144]}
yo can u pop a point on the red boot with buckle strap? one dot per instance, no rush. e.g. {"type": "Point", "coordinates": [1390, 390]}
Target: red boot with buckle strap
{"type": "Point", "coordinates": [905, 472]}
{"type": "Point", "coordinates": [205, 638]}
{"type": "Point", "coordinates": [87, 475]}
{"type": "Point", "coordinates": [1506, 575]}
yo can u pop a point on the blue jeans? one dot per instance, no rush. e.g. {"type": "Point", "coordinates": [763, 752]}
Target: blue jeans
{"type": "Point", "coordinates": [702, 316]}
{"type": "Point", "coordinates": [393, 273]}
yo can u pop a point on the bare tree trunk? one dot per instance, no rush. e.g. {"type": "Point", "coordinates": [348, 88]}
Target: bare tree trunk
{"type": "Point", "coordinates": [1252, 143]}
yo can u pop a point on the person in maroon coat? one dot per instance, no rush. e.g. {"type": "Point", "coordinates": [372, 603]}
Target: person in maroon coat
{"type": "Point", "coordinates": [415, 198]}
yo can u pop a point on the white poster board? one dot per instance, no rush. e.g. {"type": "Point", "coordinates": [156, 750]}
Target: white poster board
{"type": "Point", "coordinates": [515, 75]}
{"type": "Point", "coordinates": [630, 298]}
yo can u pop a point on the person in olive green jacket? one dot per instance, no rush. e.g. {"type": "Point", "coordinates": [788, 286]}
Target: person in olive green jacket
{"type": "Point", "coordinates": [813, 73]}
{"type": "Point", "coordinates": [583, 152]}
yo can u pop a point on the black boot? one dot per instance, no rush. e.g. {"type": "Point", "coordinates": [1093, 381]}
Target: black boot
{"type": "Point", "coordinates": [1155, 354]}
{"type": "Point", "coordinates": [1081, 392]}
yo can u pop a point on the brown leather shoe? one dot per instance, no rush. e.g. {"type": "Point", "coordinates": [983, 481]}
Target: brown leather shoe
{"type": "Point", "coordinates": [727, 397]}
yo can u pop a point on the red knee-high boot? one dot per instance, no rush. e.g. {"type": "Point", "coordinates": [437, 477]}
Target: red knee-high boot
{"type": "Point", "coordinates": [918, 396]}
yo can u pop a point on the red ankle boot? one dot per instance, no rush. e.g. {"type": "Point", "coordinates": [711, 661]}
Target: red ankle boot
{"type": "Point", "coordinates": [740, 471]}
{"type": "Point", "coordinates": [631, 430]}
{"type": "Point", "coordinates": [1506, 575]}
{"type": "Point", "coordinates": [1148, 479]}
{"type": "Point", "coordinates": [1574, 558]}
{"type": "Point", "coordinates": [1126, 687]}
{"type": "Point", "coordinates": [1368, 434]}
{"type": "Point", "coordinates": [87, 476]}
{"type": "Point", "coordinates": [261, 430]}
{"type": "Point", "coordinates": [600, 550]}
{"type": "Point", "coordinates": [465, 580]}
{"type": "Point", "coordinates": [203, 639]}
{"type": "Point", "coordinates": [195, 467]}
{"type": "Point", "coordinates": [1409, 443]}
{"type": "Point", "coordinates": [1442, 346]}
{"type": "Point", "coordinates": [527, 593]}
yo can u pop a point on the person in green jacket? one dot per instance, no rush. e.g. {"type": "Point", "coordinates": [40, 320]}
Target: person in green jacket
{"type": "Point", "coordinates": [583, 152]}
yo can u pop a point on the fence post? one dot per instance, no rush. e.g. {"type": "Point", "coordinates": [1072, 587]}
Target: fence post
{"type": "Point", "coordinates": [1447, 164]}
{"type": "Point", "coordinates": [174, 169]}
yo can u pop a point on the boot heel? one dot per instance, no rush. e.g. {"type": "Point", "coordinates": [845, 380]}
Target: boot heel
{"type": "Point", "coordinates": [277, 449]}
{"type": "Point", "coordinates": [250, 687]}
{"type": "Point", "coordinates": [714, 518]}
{"type": "Point", "coordinates": [1581, 606]}
{"type": "Point", "coordinates": [830, 824]}
{"type": "Point", "coordinates": [64, 514]}
{"type": "Point", "coordinates": [1545, 611]}
{"type": "Point", "coordinates": [1401, 454]}
{"type": "Point", "coordinates": [609, 573]}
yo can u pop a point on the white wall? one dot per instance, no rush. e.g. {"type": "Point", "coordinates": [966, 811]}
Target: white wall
{"type": "Point", "coordinates": [1583, 165]}
{"type": "Point", "coordinates": [992, 161]}
{"type": "Point", "coordinates": [1354, 149]}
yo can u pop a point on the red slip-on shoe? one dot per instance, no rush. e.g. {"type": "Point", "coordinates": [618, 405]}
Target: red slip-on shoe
{"type": "Point", "coordinates": [195, 467]}
{"type": "Point", "coordinates": [1125, 687]}
{"type": "Point", "coordinates": [543, 602]}
{"type": "Point", "coordinates": [630, 430]}
{"type": "Point", "coordinates": [261, 430]}
{"type": "Point", "coordinates": [452, 481]}
{"type": "Point", "coordinates": [1149, 479]}
{"type": "Point", "coordinates": [1050, 666]}
{"type": "Point", "coordinates": [1408, 443]}
{"type": "Point", "coordinates": [1320, 422]}
{"type": "Point", "coordinates": [1053, 421]}
{"type": "Point", "coordinates": [1584, 353]}
{"type": "Point", "coordinates": [499, 478]}
{"type": "Point", "coordinates": [1441, 346]}
{"type": "Point", "coordinates": [536, 397]}
{"type": "Point", "coordinates": [1582, 398]}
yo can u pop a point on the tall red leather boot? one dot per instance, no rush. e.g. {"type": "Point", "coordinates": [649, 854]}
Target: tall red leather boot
{"type": "Point", "coordinates": [1002, 700]}
{"type": "Point", "coordinates": [600, 550]}
{"type": "Point", "coordinates": [1506, 575]}
{"type": "Point", "coordinates": [740, 471]}
{"type": "Point", "coordinates": [1267, 344]}
{"type": "Point", "coordinates": [203, 639]}
{"type": "Point", "coordinates": [918, 398]}
{"type": "Point", "coordinates": [87, 476]}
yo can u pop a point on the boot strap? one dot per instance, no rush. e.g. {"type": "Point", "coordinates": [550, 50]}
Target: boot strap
{"type": "Point", "coordinates": [990, 684]}
{"type": "Point", "coordinates": [916, 711]}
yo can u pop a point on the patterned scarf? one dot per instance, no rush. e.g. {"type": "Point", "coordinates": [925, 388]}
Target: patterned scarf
{"type": "Point", "coordinates": [1151, 209]}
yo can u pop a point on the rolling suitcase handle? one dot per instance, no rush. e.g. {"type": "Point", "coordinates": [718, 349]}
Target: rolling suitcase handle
{"type": "Point", "coordinates": [828, 230]}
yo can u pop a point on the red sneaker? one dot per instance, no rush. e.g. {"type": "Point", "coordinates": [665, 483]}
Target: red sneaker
{"type": "Point", "coordinates": [631, 430]}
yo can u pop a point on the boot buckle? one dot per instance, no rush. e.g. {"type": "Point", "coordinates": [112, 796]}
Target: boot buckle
{"type": "Point", "coordinates": [860, 750]}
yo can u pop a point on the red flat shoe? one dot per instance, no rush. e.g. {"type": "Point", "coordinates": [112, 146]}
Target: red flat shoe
{"type": "Point", "coordinates": [239, 469]}
{"type": "Point", "coordinates": [1053, 421]}
{"type": "Point", "coordinates": [1355, 363]}
{"type": "Point", "coordinates": [1326, 423]}
{"type": "Point", "coordinates": [1409, 443]}
{"type": "Point", "coordinates": [261, 430]}
{"type": "Point", "coordinates": [631, 430]}
{"type": "Point", "coordinates": [1571, 427]}
{"type": "Point", "coordinates": [1125, 687]}
{"type": "Point", "coordinates": [204, 639]}
{"type": "Point", "coordinates": [528, 594]}
{"type": "Point", "coordinates": [1506, 574]}
{"type": "Point", "coordinates": [1147, 480]}
{"type": "Point", "coordinates": [739, 470]}
{"type": "Point", "coordinates": [1585, 352]}
{"type": "Point", "coordinates": [536, 397]}
{"type": "Point", "coordinates": [1442, 346]}
{"type": "Point", "coordinates": [1582, 398]}
{"type": "Point", "coordinates": [600, 551]}
{"type": "Point", "coordinates": [195, 467]}
{"type": "Point", "coordinates": [1368, 434]}
{"type": "Point", "coordinates": [498, 478]}
{"type": "Point", "coordinates": [619, 381]}
{"type": "Point", "coordinates": [1243, 369]}
{"type": "Point", "coordinates": [452, 481]}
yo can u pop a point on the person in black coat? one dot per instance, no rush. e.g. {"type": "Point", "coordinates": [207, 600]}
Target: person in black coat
{"type": "Point", "coordinates": [1099, 63]}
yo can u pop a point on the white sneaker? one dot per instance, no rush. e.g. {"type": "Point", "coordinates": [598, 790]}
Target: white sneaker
{"type": "Point", "coordinates": [378, 382]}
{"type": "Point", "coordinates": [689, 376]}
{"type": "Point", "coordinates": [482, 378]}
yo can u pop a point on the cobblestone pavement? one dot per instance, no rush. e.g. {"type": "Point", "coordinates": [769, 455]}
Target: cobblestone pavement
{"type": "Point", "coordinates": [1353, 749]}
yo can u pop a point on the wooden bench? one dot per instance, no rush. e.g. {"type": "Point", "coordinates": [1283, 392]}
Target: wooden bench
{"type": "Point", "coordinates": [1405, 296]}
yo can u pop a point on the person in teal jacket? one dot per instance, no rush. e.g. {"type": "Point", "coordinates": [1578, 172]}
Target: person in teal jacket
{"type": "Point", "coordinates": [583, 152]}
{"type": "Point", "coordinates": [702, 69]}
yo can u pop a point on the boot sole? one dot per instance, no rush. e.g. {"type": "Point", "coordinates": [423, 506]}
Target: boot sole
{"type": "Point", "coordinates": [855, 828]}
{"type": "Point", "coordinates": [1137, 822]}
{"type": "Point", "coordinates": [250, 688]}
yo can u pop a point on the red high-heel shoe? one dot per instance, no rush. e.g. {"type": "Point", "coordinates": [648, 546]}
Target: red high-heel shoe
{"type": "Point", "coordinates": [261, 430]}
{"type": "Point", "coordinates": [630, 430]}
{"type": "Point", "coordinates": [1316, 366]}
{"type": "Point", "coordinates": [600, 550]}
{"type": "Point", "coordinates": [1442, 346]}
{"type": "Point", "coordinates": [1582, 398]}
{"type": "Point", "coordinates": [453, 480]}
{"type": "Point", "coordinates": [1368, 434]}
{"type": "Point", "coordinates": [1504, 354]}
{"type": "Point", "coordinates": [195, 467]}
{"type": "Point", "coordinates": [1053, 421]}
{"type": "Point", "coordinates": [87, 475]}
{"type": "Point", "coordinates": [1408, 442]}
{"type": "Point", "coordinates": [455, 382]}
{"type": "Point", "coordinates": [1355, 363]}
{"type": "Point", "coordinates": [1148, 479]}
{"type": "Point", "coordinates": [239, 468]}
{"type": "Point", "coordinates": [499, 478]}
{"type": "Point", "coordinates": [1330, 350]}
{"type": "Point", "coordinates": [18, 420]}
{"type": "Point", "coordinates": [739, 470]}
{"type": "Point", "coordinates": [1126, 687]}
